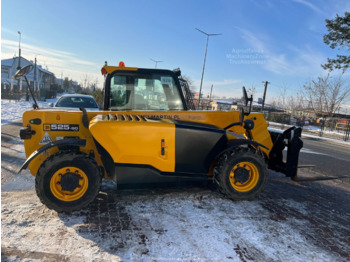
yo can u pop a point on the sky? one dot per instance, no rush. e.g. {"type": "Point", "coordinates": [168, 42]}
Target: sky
{"type": "Point", "coordinates": [261, 40]}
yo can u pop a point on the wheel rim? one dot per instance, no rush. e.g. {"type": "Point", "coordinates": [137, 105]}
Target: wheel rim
{"type": "Point", "coordinates": [69, 184]}
{"type": "Point", "coordinates": [244, 176]}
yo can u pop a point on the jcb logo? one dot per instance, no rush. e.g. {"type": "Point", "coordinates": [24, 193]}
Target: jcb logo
{"type": "Point", "coordinates": [61, 127]}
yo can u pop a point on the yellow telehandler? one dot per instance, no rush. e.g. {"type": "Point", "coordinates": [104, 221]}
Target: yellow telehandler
{"type": "Point", "coordinates": [149, 132]}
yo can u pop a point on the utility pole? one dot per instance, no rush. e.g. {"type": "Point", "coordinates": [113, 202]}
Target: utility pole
{"type": "Point", "coordinates": [35, 76]}
{"type": "Point", "coordinates": [211, 91]}
{"type": "Point", "coordinates": [156, 62]}
{"type": "Point", "coordinates": [263, 102]}
{"type": "Point", "coordinates": [205, 56]}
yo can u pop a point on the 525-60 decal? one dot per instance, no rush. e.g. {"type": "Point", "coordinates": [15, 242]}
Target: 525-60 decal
{"type": "Point", "coordinates": [61, 127]}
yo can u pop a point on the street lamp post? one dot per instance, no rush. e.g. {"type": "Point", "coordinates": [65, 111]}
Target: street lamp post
{"type": "Point", "coordinates": [19, 51]}
{"type": "Point", "coordinates": [19, 63]}
{"type": "Point", "coordinates": [156, 62]}
{"type": "Point", "coordinates": [205, 56]}
{"type": "Point", "coordinates": [35, 73]}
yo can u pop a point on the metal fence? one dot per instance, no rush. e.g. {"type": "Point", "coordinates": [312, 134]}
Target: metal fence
{"type": "Point", "coordinates": [332, 127]}
{"type": "Point", "coordinates": [16, 94]}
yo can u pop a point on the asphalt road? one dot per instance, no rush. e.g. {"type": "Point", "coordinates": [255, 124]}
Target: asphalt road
{"type": "Point", "coordinates": [330, 159]}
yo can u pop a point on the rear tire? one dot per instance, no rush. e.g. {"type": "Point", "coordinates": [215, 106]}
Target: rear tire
{"type": "Point", "coordinates": [241, 174]}
{"type": "Point", "coordinates": [68, 181]}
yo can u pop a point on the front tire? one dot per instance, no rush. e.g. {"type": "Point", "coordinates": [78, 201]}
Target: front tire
{"type": "Point", "coordinates": [241, 174]}
{"type": "Point", "coordinates": [68, 181]}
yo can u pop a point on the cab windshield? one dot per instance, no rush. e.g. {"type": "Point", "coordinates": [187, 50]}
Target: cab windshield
{"type": "Point", "coordinates": [144, 92]}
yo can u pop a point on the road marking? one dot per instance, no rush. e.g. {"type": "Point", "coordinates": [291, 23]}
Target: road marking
{"type": "Point", "coordinates": [309, 151]}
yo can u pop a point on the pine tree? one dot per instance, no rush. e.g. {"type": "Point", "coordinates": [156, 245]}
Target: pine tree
{"type": "Point", "coordinates": [338, 37]}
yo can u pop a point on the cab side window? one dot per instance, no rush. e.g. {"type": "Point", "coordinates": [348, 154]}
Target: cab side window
{"type": "Point", "coordinates": [171, 93]}
{"type": "Point", "coordinates": [119, 95]}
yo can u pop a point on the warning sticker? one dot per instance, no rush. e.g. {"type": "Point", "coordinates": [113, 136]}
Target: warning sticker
{"type": "Point", "coordinates": [46, 139]}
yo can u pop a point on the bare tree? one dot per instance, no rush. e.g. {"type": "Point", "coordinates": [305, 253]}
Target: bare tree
{"type": "Point", "coordinates": [189, 82]}
{"type": "Point", "coordinates": [283, 96]}
{"type": "Point", "coordinates": [281, 99]}
{"type": "Point", "coordinates": [86, 81]}
{"type": "Point", "coordinates": [326, 94]}
{"type": "Point", "coordinates": [295, 104]}
{"type": "Point", "coordinates": [251, 91]}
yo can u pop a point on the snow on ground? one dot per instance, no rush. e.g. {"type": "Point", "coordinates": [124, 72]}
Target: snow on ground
{"type": "Point", "coordinates": [327, 139]}
{"type": "Point", "coordinates": [314, 130]}
{"type": "Point", "coordinates": [207, 226]}
{"type": "Point", "coordinates": [158, 225]}
{"type": "Point", "coordinates": [13, 109]}
{"type": "Point", "coordinates": [285, 126]}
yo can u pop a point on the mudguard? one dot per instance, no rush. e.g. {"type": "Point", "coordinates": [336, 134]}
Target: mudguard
{"type": "Point", "coordinates": [240, 142]}
{"type": "Point", "coordinates": [63, 142]}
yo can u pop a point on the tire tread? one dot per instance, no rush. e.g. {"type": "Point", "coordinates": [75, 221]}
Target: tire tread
{"type": "Point", "coordinates": [45, 168]}
{"type": "Point", "coordinates": [224, 164]}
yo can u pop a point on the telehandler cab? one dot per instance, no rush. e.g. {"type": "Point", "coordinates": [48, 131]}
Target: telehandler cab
{"type": "Point", "coordinates": [148, 132]}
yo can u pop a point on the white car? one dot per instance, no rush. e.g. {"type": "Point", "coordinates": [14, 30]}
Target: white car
{"type": "Point", "coordinates": [76, 101]}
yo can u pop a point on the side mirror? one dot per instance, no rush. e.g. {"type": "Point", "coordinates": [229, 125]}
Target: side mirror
{"type": "Point", "coordinates": [51, 104]}
{"type": "Point", "coordinates": [23, 71]}
{"type": "Point", "coordinates": [245, 95]}
{"type": "Point", "coordinates": [246, 100]}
